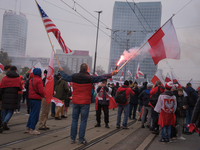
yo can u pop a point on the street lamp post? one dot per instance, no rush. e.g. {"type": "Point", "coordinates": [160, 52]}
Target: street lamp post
{"type": "Point", "coordinates": [95, 55]}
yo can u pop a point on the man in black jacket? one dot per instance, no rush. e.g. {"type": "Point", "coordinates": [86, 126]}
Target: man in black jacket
{"type": "Point", "coordinates": [9, 87]}
{"type": "Point", "coordinates": [133, 101]}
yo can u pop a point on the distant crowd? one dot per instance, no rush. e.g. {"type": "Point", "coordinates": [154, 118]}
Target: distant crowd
{"type": "Point", "coordinates": [169, 109]}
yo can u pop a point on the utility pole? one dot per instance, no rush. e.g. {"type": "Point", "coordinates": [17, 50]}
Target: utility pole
{"type": "Point", "coordinates": [125, 65]}
{"type": "Point", "coordinates": [95, 55]}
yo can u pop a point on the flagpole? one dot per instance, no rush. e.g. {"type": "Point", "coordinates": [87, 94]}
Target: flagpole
{"type": "Point", "coordinates": [143, 45]}
{"type": "Point", "coordinates": [48, 36]}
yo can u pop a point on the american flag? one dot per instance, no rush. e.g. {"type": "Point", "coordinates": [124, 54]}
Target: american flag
{"type": "Point", "coordinates": [51, 27]}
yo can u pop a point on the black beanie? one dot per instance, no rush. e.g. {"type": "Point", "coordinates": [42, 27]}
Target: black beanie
{"type": "Point", "coordinates": [126, 83]}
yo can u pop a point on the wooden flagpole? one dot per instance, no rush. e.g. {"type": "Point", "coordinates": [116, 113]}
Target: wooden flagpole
{"type": "Point", "coordinates": [48, 35]}
{"type": "Point", "coordinates": [142, 46]}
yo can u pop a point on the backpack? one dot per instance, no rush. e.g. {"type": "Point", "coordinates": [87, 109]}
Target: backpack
{"type": "Point", "coordinates": [154, 99]}
{"type": "Point", "coordinates": [121, 97]}
{"type": "Point", "coordinates": [191, 99]}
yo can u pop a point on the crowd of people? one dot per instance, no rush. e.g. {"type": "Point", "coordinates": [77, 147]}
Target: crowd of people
{"type": "Point", "coordinates": [163, 109]}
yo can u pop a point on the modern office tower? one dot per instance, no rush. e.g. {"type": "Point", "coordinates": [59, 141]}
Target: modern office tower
{"type": "Point", "coordinates": [14, 33]}
{"type": "Point", "coordinates": [132, 25]}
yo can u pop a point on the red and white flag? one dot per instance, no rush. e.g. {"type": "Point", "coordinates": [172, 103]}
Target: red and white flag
{"type": "Point", "coordinates": [167, 79]}
{"type": "Point", "coordinates": [191, 81]}
{"type": "Point", "coordinates": [49, 85]}
{"type": "Point", "coordinates": [175, 80]}
{"type": "Point", "coordinates": [37, 65]}
{"type": "Point", "coordinates": [51, 27]}
{"type": "Point", "coordinates": [158, 76]}
{"type": "Point", "coordinates": [120, 79]}
{"type": "Point", "coordinates": [122, 72]}
{"type": "Point", "coordinates": [129, 73]}
{"type": "Point", "coordinates": [138, 72]}
{"type": "Point", "coordinates": [96, 73]}
{"type": "Point", "coordinates": [58, 102]}
{"type": "Point", "coordinates": [164, 43]}
{"type": "Point", "coordinates": [1, 68]}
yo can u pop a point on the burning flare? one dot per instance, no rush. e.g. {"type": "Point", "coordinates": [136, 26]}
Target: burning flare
{"type": "Point", "coordinates": [120, 60]}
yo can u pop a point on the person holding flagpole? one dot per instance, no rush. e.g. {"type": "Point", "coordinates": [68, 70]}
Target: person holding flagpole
{"type": "Point", "coordinates": [82, 90]}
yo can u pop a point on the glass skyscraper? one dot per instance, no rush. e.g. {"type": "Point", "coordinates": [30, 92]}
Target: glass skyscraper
{"type": "Point", "coordinates": [132, 24]}
{"type": "Point", "coordinates": [14, 33]}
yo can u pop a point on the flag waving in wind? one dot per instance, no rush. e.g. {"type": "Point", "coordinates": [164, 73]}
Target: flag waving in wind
{"type": "Point", "coordinates": [167, 79]}
{"type": "Point", "coordinates": [49, 85]}
{"type": "Point", "coordinates": [129, 73]}
{"type": "Point", "coordinates": [138, 72]}
{"type": "Point", "coordinates": [164, 43]}
{"type": "Point", "coordinates": [51, 27]}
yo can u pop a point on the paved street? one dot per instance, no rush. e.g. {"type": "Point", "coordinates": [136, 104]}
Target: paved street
{"type": "Point", "coordinates": [58, 137]}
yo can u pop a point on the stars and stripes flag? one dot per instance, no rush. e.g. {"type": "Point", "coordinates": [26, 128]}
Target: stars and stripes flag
{"type": "Point", "coordinates": [51, 27]}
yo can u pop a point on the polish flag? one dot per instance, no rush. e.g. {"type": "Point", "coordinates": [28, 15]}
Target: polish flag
{"type": "Point", "coordinates": [122, 72]}
{"type": "Point", "coordinates": [129, 73]}
{"type": "Point", "coordinates": [158, 76]}
{"type": "Point", "coordinates": [167, 79]}
{"type": "Point", "coordinates": [96, 74]}
{"type": "Point", "coordinates": [175, 80]}
{"type": "Point", "coordinates": [164, 43]}
{"type": "Point", "coordinates": [120, 79]}
{"type": "Point", "coordinates": [58, 102]}
{"type": "Point", "coordinates": [138, 72]}
{"type": "Point", "coordinates": [37, 65]}
{"type": "Point", "coordinates": [1, 68]}
{"type": "Point", "coordinates": [49, 85]}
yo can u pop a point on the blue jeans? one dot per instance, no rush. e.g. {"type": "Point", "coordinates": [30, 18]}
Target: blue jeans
{"type": "Point", "coordinates": [84, 111]}
{"type": "Point", "coordinates": [7, 114]}
{"type": "Point", "coordinates": [188, 118]}
{"type": "Point", "coordinates": [166, 132]}
{"type": "Point", "coordinates": [53, 107]}
{"type": "Point", "coordinates": [126, 113]}
{"type": "Point", "coordinates": [34, 115]}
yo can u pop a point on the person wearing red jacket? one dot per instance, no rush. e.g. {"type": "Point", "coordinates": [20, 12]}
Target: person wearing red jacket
{"type": "Point", "coordinates": [154, 94]}
{"type": "Point", "coordinates": [125, 106]}
{"type": "Point", "coordinates": [36, 93]}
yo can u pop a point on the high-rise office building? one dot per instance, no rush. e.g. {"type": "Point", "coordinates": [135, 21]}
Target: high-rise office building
{"type": "Point", "coordinates": [132, 24]}
{"type": "Point", "coordinates": [14, 33]}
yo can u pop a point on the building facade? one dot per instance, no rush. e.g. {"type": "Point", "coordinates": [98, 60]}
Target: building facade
{"type": "Point", "coordinates": [132, 24]}
{"type": "Point", "coordinates": [71, 60]}
{"type": "Point", "coordinates": [14, 33]}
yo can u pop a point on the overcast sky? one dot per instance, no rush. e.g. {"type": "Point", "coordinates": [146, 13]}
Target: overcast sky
{"type": "Point", "coordinates": [79, 34]}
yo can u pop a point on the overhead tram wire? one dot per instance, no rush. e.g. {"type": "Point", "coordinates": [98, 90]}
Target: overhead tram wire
{"type": "Point", "coordinates": [143, 16]}
{"type": "Point", "coordinates": [51, 18]}
{"type": "Point", "coordinates": [136, 15]}
{"type": "Point", "coordinates": [90, 21]}
{"type": "Point", "coordinates": [97, 19]}
{"type": "Point", "coordinates": [183, 7]}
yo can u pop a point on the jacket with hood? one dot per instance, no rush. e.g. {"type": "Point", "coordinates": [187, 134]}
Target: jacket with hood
{"type": "Point", "coordinates": [166, 106]}
{"type": "Point", "coordinates": [145, 97]}
{"type": "Point", "coordinates": [9, 87]}
{"type": "Point", "coordinates": [36, 90]}
{"type": "Point", "coordinates": [82, 85]}
{"type": "Point", "coordinates": [128, 92]}
{"type": "Point", "coordinates": [191, 94]}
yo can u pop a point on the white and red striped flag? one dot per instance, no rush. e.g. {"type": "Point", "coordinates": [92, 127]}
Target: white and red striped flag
{"type": "Point", "coordinates": [37, 65]}
{"type": "Point", "coordinates": [96, 73]}
{"type": "Point", "coordinates": [174, 80]}
{"type": "Point", "coordinates": [49, 85]}
{"type": "Point", "coordinates": [164, 43]}
{"type": "Point", "coordinates": [58, 102]}
{"type": "Point", "coordinates": [167, 79]}
{"type": "Point", "coordinates": [51, 27]}
{"type": "Point", "coordinates": [1, 68]}
{"type": "Point", "coordinates": [158, 76]}
{"type": "Point", "coordinates": [129, 73]}
{"type": "Point", "coordinates": [138, 72]}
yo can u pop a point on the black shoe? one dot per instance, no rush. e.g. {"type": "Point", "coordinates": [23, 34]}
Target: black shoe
{"type": "Point", "coordinates": [52, 115]}
{"type": "Point", "coordinates": [107, 126]}
{"type": "Point", "coordinates": [148, 126]}
{"type": "Point", "coordinates": [1, 129]}
{"type": "Point", "coordinates": [5, 127]}
{"type": "Point", "coordinates": [63, 116]}
{"type": "Point", "coordinates": [57, 118]}
{"type": "Point", "coordinates": [155, 132]}
{"type": "Point", "coordinates": [83, 142]}
{"type": "Point", "coordinates": [162, 140]}
{"type": "Point", "coordinates": [151, 129]}
{"type": "Point", "coordinates": [142, 126]}
{"type": "Point", "coordinates": [118, 127]}
{"type": "Point", "coordinates": [97, 125]}
{"type": "Point", "coordinates": [42, 129]}
{"type": "Point", "coordinates": [47, 128]}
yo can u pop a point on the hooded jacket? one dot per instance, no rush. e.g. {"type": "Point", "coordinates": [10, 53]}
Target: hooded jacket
{"type": "Point", "coordinates": [145, 97]}
{"type": "Point", "coordinates": [191, 92]}
{"type": "Point", "coordinates": [36, 86]}
{"type": "Point", "coordinates": [62, 89]}
{"type": "Point", "coordinates": [128, 92]}
{"type": "Point", "coordinates": [9, 87]}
